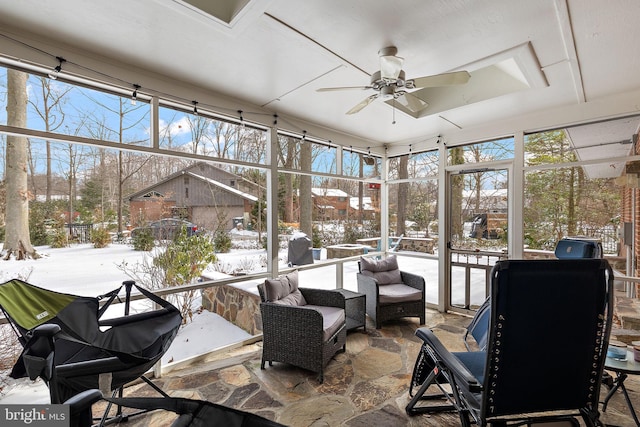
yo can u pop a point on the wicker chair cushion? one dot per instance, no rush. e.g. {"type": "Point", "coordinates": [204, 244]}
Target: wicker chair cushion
{"type": "Point", "coordinates": [384, 271]}
{"type": "Point", "coordinates": [398, 292]}
{"type": "Point", "coordinates": [284, 290]}
{"type": "Point", "coordinates": [332, 319]}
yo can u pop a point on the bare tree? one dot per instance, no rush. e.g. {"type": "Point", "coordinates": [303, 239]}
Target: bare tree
{"type": "Point", "coordinates": [17, 241]}
{"type": "Point", "coordinates": [198, 126]}
{"type": "Point", "coordinates": [124, 171]}
{"type": "Point", "coordinates": [50, 110]}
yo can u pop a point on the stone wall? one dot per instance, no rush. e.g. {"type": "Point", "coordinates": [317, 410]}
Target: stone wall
{"type": "Point", "coordinates": [236, 305]}
{"type": "Point", "coordinates": [417, 244]}
{"type": "Point", "coordinates": [345, 250]}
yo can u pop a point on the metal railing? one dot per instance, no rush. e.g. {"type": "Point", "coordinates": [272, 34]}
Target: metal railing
{"type": "Point", "coordinates": [470, 261]}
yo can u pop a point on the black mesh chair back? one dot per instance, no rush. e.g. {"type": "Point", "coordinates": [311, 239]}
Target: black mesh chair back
{"type": "Point", "coordinates": [550, 322]}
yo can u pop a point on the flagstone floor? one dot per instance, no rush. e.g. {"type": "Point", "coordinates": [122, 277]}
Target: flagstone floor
{"type": "Point", "coordinates": [365, 386]}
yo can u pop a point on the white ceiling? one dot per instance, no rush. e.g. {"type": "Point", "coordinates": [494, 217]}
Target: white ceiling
{"type": "Point", "coordinates": [532, 63]}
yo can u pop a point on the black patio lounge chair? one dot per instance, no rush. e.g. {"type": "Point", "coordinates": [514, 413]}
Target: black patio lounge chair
{"type": "Point", "coordinates": [548, 335]}
{"type": "Point", "coordinates": [191, 413]}
{"type": "Point", "coordinates": [477, 329]}
{"type": "Point", "coordinates": [301, 326]}
{"type": "Point", "coordinates": [73, 347]}
{"type": "Point", "coordinates": [390, 292]}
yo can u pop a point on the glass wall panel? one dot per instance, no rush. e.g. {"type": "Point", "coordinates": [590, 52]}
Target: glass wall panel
{"type": "Point", "coordinates": [335, 214]}
{"type": "Point", "coordinates": [499, 149]}
{"type": "Point", "coordinates": [59, 107]}
{"type": "Point", "coordinates": [419, 165]}
{"type": "Point", "coordinates": [360, 165]}
{"type": "Point", "coordinates": [304, 154]}
{"type": "Point", "coordinates": [581, 200]}
{"type": "Point", "coordinates": [568, 202]}
{"type": "Point", "coordinates": [198, 134]}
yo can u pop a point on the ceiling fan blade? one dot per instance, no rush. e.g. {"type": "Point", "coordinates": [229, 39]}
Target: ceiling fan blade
{"type": "Point", "coordinates": [412, 102]}
{"type": "Point", "coordinates": [331, 89]}
{"type": "Point", "coordinates": [445, 79]}
{"type": "Point", "coordinates": [363, 104]}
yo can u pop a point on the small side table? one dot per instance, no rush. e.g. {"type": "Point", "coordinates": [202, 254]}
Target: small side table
{"type": "Point", "coordinates": [355, 309]}
{"type": "Point", "coordinates": [622, 368]}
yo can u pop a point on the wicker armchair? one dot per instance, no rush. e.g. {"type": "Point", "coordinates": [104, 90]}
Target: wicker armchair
{"type": "Point", "coordinates": [301, 326]}
{"type": "Point", "coordinates": [390, 293]}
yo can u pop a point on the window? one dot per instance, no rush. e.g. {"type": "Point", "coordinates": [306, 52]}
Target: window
{"type": "Point", "coordinates": [499, 149]}
{"type": "Point", "coordinates": [566, 198]}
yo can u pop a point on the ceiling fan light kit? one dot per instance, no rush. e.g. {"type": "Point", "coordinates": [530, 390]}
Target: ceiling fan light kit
{"type": "Point", "coordinates": [390, 64]}
{"type": "Point", "coordinates": [390, 83]}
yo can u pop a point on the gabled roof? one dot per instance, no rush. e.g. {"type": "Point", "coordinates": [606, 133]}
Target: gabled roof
{"type": "Point", "coordinates": [188, 171]}
{"type": "Point", "coordinates": [328, 192]}
{"type": "Point", "coordinates": [367, 205]}
{"type": "Point", "coordinates": [224, 187]}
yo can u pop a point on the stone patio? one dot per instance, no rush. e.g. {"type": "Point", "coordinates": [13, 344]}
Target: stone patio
{"type": "Point", "coordinates": [365, 386]}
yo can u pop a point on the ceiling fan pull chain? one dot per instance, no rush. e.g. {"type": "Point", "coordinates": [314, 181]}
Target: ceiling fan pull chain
{"type": "Point", "coordinates": [393, 108]}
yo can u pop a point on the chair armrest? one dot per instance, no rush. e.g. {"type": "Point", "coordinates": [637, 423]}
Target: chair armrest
{"type": "Point", "coordinates": [369, 286]}
{"type": "Point", "coordinates": [80, 407]}
{"type": "Point", "coordinates": [285, 321]}
{"type": "Point", "coordinates": [46, 330]}
{"type": "Point", "coordinates": [366, 282]}
{"type": "Point", "coordinates": [84, 398]}
{"type": "Point", "coordinates": [413, 280]}
{"type": "Point", "coordinates": [324, 297]}
{"type": "Point", "coordinates": [90, 367]}
{"type": "Point", "coordinates": [454, 367]}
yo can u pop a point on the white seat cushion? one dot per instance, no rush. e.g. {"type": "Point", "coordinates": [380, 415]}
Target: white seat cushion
{"type": "Point", "coordinates": [398, 292]}
{"type": "Point", "coordinates": [332, 319]}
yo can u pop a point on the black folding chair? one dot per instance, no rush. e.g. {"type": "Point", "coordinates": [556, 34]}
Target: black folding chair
{"type": "Point", "coordinates": [548, 335]}
{"type": "Point", "coordinates": [73, 347]}
{"type": "Point", "coordinates": [191, 413]}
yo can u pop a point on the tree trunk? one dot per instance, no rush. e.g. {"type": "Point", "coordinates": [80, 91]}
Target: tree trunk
{"type": "Point", "coordinates": [306, 225]}
{"type": "Point", "coordinates": [403, 193]}
{"type": "Point", "coordinates": [360, 190]}
{"type": "Point", "coordinates": [288, 183]}
{"type": "Point", "coordinates": [457, 185]}
{"type": "Point", "coordinates": [17, 241]}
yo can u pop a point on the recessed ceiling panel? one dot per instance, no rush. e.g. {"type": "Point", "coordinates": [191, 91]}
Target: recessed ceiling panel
{"type": "Point", "coordinates": [223, 10]}
{"type": "Point", "coordinates": [503, 73]}
{"type": "Point", "coordinates": [486, 83]}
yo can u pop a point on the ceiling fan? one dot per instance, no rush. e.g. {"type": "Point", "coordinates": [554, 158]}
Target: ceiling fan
{"type": "Point", "coordinates": [390, 82]}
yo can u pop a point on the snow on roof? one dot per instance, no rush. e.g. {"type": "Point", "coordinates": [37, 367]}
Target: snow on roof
{"type": "Point", "coordinates": [367, 205]}
{"type": "Point", "coordinates": [328, 192]}
{"type": "Point", "coordinates": [496, 192]}
{"type": "Point", "coordinates": [225, 187]}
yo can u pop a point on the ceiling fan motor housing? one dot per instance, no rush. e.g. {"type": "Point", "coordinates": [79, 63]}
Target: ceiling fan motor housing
{"type": "Point", "coordinates": [387, 92]}
{"type": "Point", "coordinates": [378, 83]}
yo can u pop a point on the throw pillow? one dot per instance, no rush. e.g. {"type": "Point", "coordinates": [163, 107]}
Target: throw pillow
{"type": "Point", "coordinates": [384, 271]}
{"type": "Point", "coordinates": [284, 290]}
{"type": "Point", "coordinates": [374, 265]}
